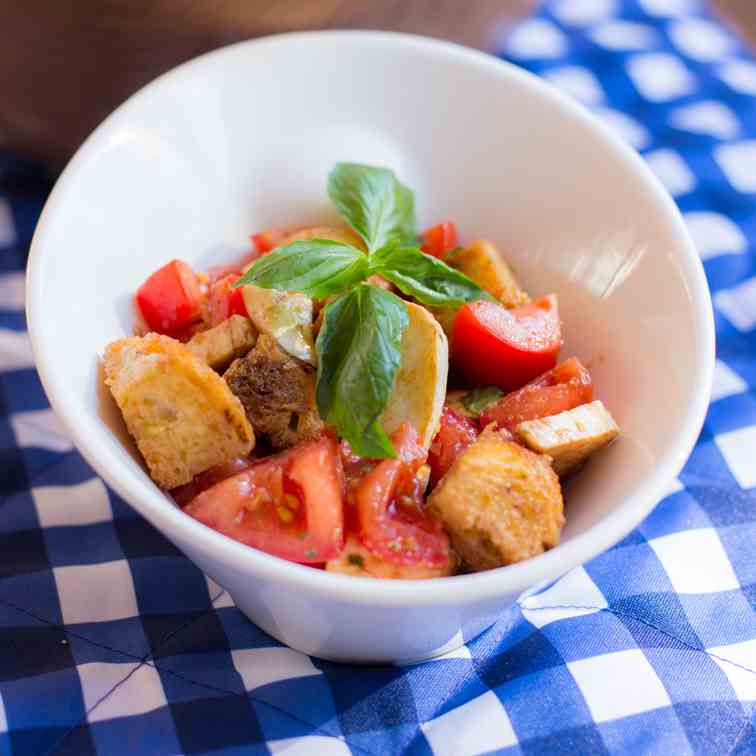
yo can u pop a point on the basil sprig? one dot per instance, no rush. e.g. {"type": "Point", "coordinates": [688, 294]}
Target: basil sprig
{"type": "Point", "coordinates": [359, 352]}
{"type": "Point", "coordinates": [424, 277]}
{"type": "Point", "coordinates": [359, 344]}
{"type": "Point", "coordinates": [373, 202]}
{"type": "Point", "coordinates": [316, 268]}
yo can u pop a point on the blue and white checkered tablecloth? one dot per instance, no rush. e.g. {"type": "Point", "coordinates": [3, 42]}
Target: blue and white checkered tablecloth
{"type": "Point", "coordinates": [112, 642]}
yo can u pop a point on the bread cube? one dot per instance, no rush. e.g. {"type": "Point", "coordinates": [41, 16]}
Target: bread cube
{"type": "Point", "coordinates": [182, 415]}
{"type": "Point", "coordinates": [570, 437]}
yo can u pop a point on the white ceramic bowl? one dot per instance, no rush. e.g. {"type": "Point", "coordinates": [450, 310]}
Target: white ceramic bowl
{"type": "Point", "coordinates": [242, 139]}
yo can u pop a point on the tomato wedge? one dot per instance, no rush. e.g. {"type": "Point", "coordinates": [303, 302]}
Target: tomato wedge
{"type": "Point", "coordinates": [355, 467]}
{"type": "Point", "coordinates": [184, 494]}
{"type": "Point", "coordinates": [393, 524]}
{"type": "Point", "coordinates": [492, 345]}
{"type": "Point", "coordinates": [268, 239]}
{"type": "Point", "coordinates": [225, 301]}
{"type": "Point", "coordinates": [566, 386]}
{"type": "Point", "coordinates": [456, 433]}
{"type": "Point", "coordinates": [170, 299]}
{"type": "Point", "coordinates": [289, 505]}
{"type": "Point", "coordinates": [440, 239]}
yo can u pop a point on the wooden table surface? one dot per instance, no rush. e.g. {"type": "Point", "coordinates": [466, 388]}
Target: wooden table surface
{"type": "Point", "coordinates": [738, 14]}
{"type": "Point", "coordinates": [741, 15]}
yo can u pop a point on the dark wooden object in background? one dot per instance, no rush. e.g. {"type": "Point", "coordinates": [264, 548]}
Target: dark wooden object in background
{"type": "Point", "coordinates": [741, 16]}
{"type": "Point", "coordinates": [64, 66]}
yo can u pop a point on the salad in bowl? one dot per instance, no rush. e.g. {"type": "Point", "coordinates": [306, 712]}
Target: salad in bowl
{"type": "Point", "coordinates": [360, 398]}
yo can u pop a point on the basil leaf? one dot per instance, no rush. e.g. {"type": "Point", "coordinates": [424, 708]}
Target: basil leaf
{"type": "Point", "coordinates": [317, 268]}
{"type": "Point", "coordinates": [425, 277]}
{"type": "Point", "coordinates": [373, 202]}
{"type": "Point", "coordinates": [478, 399]}
{"type": "Point", "coordinates": [359, 353]}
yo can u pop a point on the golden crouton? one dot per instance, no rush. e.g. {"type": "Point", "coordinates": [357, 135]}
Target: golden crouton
{"type": "Point", "coordinates": [499, 502]}
{"type": "Point", "coordinates": [219, 346]}
{"type": "Point", "coordinates": [277, 393]}
{"type": "Point", "coordinates": [358, 561]}
{"type": "Point", "coordinates": [286, 316]}
{"type": "Point", "coordinates": [182, 415]}
{"type": "Point", "coordinates": [341, 234]}
{"type": "Point", "coordinates": [570, 437]}
{"type": "Point", "coordinates": [420, 384]}
{"type": "Point", "coordinates": [483, 262]}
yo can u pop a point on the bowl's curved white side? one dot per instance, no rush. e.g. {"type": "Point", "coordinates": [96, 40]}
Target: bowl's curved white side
{"type": "Point", "coordinates": [187, 167]}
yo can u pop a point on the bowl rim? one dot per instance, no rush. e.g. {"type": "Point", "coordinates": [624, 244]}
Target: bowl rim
{"type": "Point", "coordinates": [150, 502]}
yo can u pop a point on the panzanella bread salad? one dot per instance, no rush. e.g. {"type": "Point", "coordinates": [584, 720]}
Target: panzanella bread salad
{"type": "Point", "coordinates": [360, 398]}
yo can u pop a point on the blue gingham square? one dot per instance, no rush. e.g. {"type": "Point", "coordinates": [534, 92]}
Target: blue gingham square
{"type": "Point", "coordinates": [112, 642]}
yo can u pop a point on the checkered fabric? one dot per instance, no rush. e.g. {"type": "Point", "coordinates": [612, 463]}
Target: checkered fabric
{"type": "Point", "coordinates": [112, 642]}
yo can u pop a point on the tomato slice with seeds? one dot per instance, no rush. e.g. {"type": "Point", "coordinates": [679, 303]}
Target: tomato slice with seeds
{"type": "Point", "coordinates": [355, 468]}
{"type": "Point", "coordinates": [393, 523]}
{"type": "Point", "coordinates": [562, 388]}
{"type": "Point", "coordinates": [493, 345]}
{"type": "Point", "coordinates": [455, 434]}
{"type": "Point", "coordinates": [289, 505]}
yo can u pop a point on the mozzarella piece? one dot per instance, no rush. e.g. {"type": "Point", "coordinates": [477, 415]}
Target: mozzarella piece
{"type": "Point", "coordinates": [285, 316]}
{"type": "Point", "coordinates": [420, 386]}
{"type": "Point", "coordinates": [570, 437]}
{"type": "Point", "coordinates": [220, 345]}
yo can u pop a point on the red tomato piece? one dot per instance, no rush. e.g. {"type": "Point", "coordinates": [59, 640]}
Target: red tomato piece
{"type": "Point", "coordinates": [440, 239]}
{"type": "Point", "coordinates": [393, 525]}
{"type": "Point", "coordinates": [355, 467]}
{"type": "Point", "coordinates": [456, 433]}
{"type": "Point", "coordinates": [170, 299]}
{"type": "Point", "coordinates": [184, 494]}
{"type": "Point", "coordinates": [566, 386]}
{"type": "Point", "coordinates": [268, 239]}
{"type": "Point", "coordinates": [225, 301]}
{"type": "Point", "coordinates": [289, 505]}
{"type": "Point", "coordinates": [492, 345]}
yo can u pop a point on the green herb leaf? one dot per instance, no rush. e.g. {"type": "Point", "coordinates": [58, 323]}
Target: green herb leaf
{"type": "Point", "coordinates": [359, 352]}
{"type": "Point", "coordinates": [317, 268]}
{"type": "Point", "coordinates": [425, 277]}
{"type": "Point", "coordinates": [373, 202]}
{"type": "Point", "coordinates": [478, 399]}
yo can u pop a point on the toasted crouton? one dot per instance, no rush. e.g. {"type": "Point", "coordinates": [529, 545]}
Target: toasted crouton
{"type": "Point", "coordinates": [570, 437]}
{"type": "Point", "coordinates": [420, 385]}
{"type": "Point", "coordinates": [285, 316]}
{"type": "Point", "coordinates": [358, 561]}
{"type": "Point", "coordinates": [500, 503]}
{"type": "Point", "coordinates": [230, 339]}
{"type": "Point", "coordinates": [332, 233]}
{"type": "Point", "coordinates": [483, 262]}
{"type": "Point", "coordinates": [182, 415]}
{"type": "Point", "coordinates": [277, 393]}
